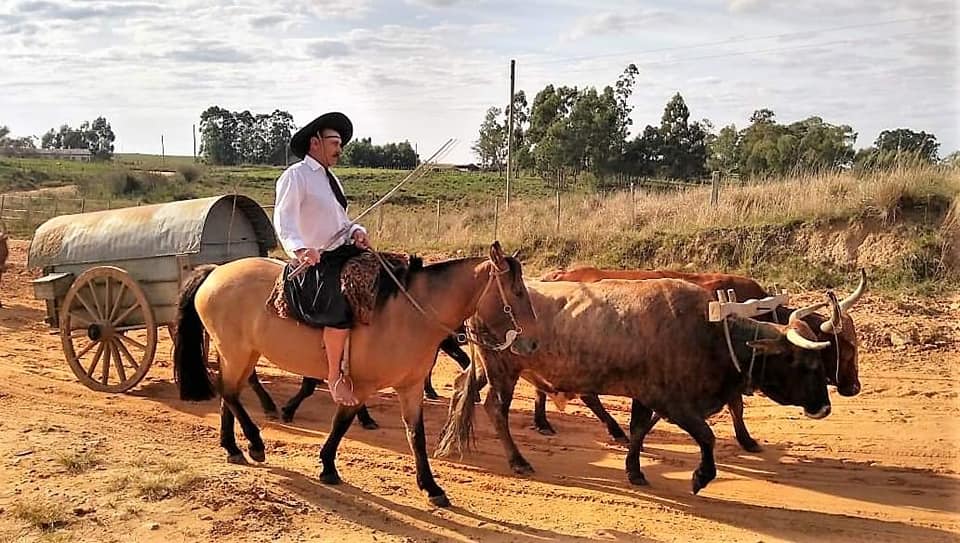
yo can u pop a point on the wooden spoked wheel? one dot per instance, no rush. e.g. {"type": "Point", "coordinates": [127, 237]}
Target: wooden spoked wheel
{"type": "Point", "coordinates": [108, 330]}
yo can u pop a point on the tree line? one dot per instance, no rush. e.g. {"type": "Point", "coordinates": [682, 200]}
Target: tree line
{"type": "Point", "coordinates": [96, 136]}
{"type": "Point", "coordinates": [233, 138]}
{"type": "Point", "coordinates": [572, 130]}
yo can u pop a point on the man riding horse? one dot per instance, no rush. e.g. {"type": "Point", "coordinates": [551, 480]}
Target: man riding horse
{"type": "Point", "coordinates": [312, 225]}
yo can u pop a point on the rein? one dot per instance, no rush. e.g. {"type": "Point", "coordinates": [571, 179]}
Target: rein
{"type": "Point", "coordinates": [510, 336]}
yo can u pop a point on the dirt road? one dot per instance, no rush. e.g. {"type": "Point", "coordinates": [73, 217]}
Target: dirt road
{"type": "Point", "coordinates": [85, 466]}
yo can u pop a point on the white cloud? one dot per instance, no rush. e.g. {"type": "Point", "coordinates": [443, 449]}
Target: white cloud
{"type": "Point", "coordinates": [615, 22]}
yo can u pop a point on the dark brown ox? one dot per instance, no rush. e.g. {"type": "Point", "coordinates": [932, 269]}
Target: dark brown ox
{"type": "Point", "coordinates": [4, 254]}
{"type": "Point", "coordinates": [842, 371]}
{"type": "Point", "coordinates": [650, 341]}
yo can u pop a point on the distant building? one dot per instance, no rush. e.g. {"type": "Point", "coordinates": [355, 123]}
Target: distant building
{"type": "Point", "coordinates": [82, 155]}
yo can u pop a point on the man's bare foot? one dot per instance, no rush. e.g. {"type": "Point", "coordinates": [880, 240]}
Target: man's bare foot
{"type": "Point", "coordinates": [342, 392]}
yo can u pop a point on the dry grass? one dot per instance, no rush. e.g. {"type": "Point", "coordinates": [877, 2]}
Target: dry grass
{"type": "Point", "coordinates": [78, 462]}
{"type": "Point", "coordinates": [42, 514]}
{"type": "Point", "coordinates": [593, 218]}
{"type": "Point", "coordinates": [155, 481]}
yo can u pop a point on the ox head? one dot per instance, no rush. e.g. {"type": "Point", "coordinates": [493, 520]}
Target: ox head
{"type": "Point", "coordinates": [504, 307]}
{"type": "Point", "coordinates": [793, 371]}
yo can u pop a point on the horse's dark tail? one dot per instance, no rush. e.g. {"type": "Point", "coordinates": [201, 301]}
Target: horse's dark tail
{"type": "Point", "coordinates": [189, 357]}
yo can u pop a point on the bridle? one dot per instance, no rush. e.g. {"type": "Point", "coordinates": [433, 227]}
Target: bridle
{"type": "Point", "coordinates": [495, 274]}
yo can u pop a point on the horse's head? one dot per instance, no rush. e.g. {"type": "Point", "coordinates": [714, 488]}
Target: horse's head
{"type": "Point", "coordinates": [505, 308]}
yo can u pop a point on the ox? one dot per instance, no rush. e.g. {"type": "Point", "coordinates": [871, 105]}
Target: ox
{"type": "Point", "coordinates": [4, 254]}
{"type": "Point", "coordinates": [650, 341]}
{"type": "Point", "coordinates": [839, 359]}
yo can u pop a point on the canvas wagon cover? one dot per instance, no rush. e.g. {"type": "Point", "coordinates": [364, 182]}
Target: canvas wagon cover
{"type": "Point", "coordinates": [141, 232]}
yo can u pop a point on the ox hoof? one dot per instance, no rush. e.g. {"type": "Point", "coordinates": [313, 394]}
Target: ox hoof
{"type": "Point", "coordinates": [272, 415]}
{"type": "Point", "coordinates": [440, 501]}
{"type": "Point", "coordinates": [330, 477]}
{"type": "Point", "coordinates": [546, 430]}
{"type": "Point", "coordinates": [624, 440]}
{"type": "Point", "coordinates": [751, 446]}
{"type": "Point", "coordinates": [431, 395]}
{"type": "Point", "coordinates": [521, 468]}
{"type": "Point", "coordinates": [238, 459]}
{"type": "Point", "coordinates": [258, 455]}
{"type": "Point", "coordinates": [370, 425]}
{"type": "Point", "coordinates": [700, 481]}
{"type": "Point", "coordinates": [638, 479]}
{"type": "Point", "coordinates": [287, 416]}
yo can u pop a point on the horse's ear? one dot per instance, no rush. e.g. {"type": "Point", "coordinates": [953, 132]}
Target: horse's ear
{"type": "Point", "coordinates": [497, 257]}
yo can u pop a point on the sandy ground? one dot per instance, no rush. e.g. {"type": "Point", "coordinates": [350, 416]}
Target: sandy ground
{"type": "Point", "coordinates": [79, 465]}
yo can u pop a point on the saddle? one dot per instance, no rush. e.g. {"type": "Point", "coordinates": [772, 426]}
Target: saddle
{"type": "Point", "coordinates": [361, 279]}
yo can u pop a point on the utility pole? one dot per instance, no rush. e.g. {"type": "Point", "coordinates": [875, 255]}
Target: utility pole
{"type": "Point", "coordinates": [513, 65]}
{"type": "Point", "coordinates": [163, 154]}
{"type": "Point", "coordinates": [194, 142]}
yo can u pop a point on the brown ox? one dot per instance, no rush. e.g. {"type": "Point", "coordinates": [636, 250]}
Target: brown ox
{"type": "Point", "coordinates": [842, 371]}
{"type": "Point", "coordinates": [4, 254]}
{"type": "Point", "coordinates": [650, 341]}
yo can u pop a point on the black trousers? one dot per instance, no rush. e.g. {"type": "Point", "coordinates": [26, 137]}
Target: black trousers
{"type": "Point", "coordinates": [316, 296]}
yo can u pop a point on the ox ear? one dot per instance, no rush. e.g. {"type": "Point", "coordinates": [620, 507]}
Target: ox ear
{"type": "Point", "coordinates": [769, 346]}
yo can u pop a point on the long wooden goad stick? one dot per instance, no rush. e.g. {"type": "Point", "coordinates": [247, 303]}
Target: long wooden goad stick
{"type": "Point", "coordinates": [417, 172]}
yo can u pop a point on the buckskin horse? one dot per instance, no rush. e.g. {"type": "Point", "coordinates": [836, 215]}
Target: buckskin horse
{"type": "Point", "coordinates": [395, 350]}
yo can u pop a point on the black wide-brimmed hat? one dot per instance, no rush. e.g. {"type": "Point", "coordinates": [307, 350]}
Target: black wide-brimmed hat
{"type": "Point", "coordinates": [300, 142]}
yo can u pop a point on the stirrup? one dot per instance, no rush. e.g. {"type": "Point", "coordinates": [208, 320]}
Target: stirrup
{"type": "Point", "coordinates": [349, 383]}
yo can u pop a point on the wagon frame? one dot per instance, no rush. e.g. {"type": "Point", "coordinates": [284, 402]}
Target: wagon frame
{"type": "Point", "coordinates": [112, 278]}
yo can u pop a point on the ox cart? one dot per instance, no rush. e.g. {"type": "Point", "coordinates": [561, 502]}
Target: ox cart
{"type": "Point", "coordinates": [112, 278]}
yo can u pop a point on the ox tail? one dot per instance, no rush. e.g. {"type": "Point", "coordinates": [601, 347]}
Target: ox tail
{"type": "Point", "coordinates": [457, 432]}
{"type": "Point", "coordinates": [189, 355]}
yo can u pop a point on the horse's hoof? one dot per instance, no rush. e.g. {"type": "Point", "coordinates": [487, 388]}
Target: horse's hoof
{"type": "Point", "coordinates": [330, 477]}
{"type": "Point", "coordinates": [638, 479]}
{"type": "Point", "coordinates": [258, 455]}
{"type": "Point", "coordinates": [370, 425]}
{"type": "Point", "coordinates": [523, 468]}
{"type": "Point", "coordinates": [440, 501]}
{"type": "Point", "coordinates": [699, 481]}
{"type": "Point", "coordinates": [751, 446]}
{"type": "Point", "coordinates": [238, 459]}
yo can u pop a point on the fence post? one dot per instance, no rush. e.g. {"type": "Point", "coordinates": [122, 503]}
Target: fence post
{"type": "Point", "coordinates": [83, 204]}
{"type": "Point", "coordinates": [3, 198]}
{"type": "Point", "coordinates": [28, 210]}
{"type": "Point", "coordinates": [438, 218]}
{"type": "Point", "coordinates": [380, 220]}
{"type": "Point", "coordinates": [715, 193]}
{"type": "Point", "coordinates": [633, 204]}
{"type": "Point", "coordinates": [559, 177]}
{"type": "Point", "coordinates": [496, 217]}
{"type": "Point", "coordinates": [56, 201]}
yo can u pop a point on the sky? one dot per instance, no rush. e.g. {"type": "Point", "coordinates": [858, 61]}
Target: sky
{"type": "Point", "coordinates": [427, 70]}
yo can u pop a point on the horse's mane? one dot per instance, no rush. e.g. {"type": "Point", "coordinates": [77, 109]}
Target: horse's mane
{"type": "Point", "coordinates": [387, 287]}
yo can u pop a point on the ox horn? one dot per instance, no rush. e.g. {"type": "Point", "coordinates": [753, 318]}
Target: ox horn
{"type": "Point", "coordinates": [799, 314]}
{"type": "Point", "coordinates": [794, 337]}
{"type": "Point", "coordinates": [848, 302]}
{"type": "Point", "coordinates": [835, 324]}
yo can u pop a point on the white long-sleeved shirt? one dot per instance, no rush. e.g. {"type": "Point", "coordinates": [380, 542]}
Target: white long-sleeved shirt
{"type": "Point", "coordinates": [307, 213]}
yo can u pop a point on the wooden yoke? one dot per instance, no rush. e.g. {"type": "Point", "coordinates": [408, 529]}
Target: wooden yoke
{"type": "Point", "coordinates": [727, 305]}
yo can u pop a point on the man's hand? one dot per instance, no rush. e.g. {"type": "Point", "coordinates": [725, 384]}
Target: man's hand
{"type": "Point", "coordinates": [309, 256]}
{"type": "Point", "coordinates": [360, 239]}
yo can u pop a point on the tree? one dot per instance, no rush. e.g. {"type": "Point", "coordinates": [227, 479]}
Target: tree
{"type": "Point", "coordinates": [97, 137]}
{"type": "Point", "coordinates": [903, 140]}
{"type": "Point", "coordinates": [722, 151]}
{"type": "Point", "coordinates": [491, 147]}
{"type": "Point", "coordinates": [684, 152]}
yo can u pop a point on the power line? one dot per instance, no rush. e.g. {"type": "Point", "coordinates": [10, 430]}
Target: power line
{"type": "Point", "coordinates": [731, 41]}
